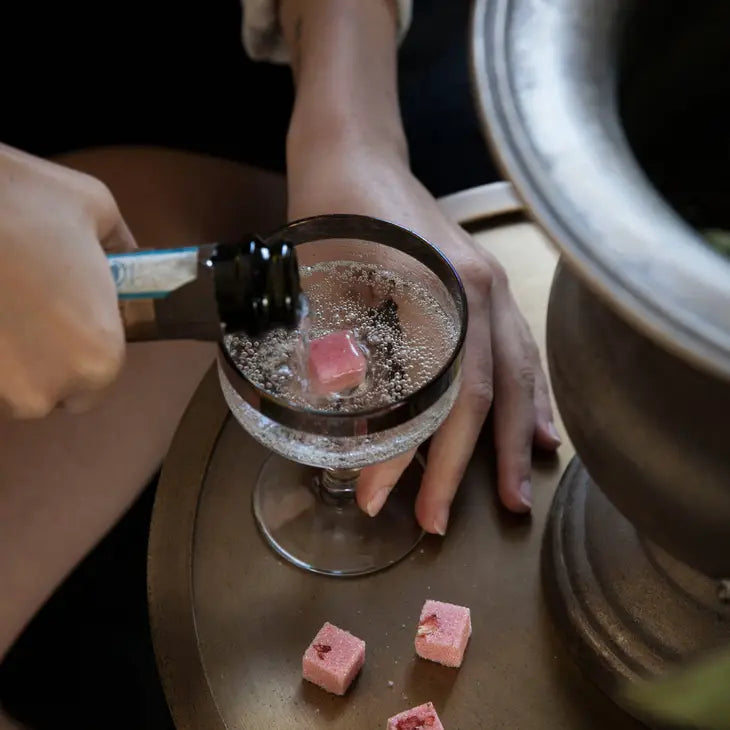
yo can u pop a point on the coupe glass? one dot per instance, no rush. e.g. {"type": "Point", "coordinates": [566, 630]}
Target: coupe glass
{"type": "Point", "coordinates": [304, 497]}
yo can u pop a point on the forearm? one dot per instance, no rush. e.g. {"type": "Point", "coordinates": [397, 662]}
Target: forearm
{"type": "Point", "coordinates": [344, 58]}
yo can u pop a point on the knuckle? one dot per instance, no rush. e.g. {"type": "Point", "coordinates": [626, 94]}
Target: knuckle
{"type": "Point", "coordinates": [480, 395]}
{"type": "Point", "coordinates": [533, 351]}
{"type": "Point", "coordinates": [100, 372]}
{"type": "Point", "coordinates": [483, 273]}
{"type": "Point", "coordinates": [499, 274]}
{"type": "Point", "coordinates": [524, 376]}
{"type": "Point", "coordinates": [101, 362]}
{"type": "Point", "coordinates": [100, 192]}
{"type": "Point", "coordinates": [32, 406]}
{"type": "Point", "coordinates": [100, 204]}
{"type": "Point", "coordinates": [478, 275]}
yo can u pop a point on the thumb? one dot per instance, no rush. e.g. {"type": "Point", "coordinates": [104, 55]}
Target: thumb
{"type": "Point", "coordinates": [119, 239]}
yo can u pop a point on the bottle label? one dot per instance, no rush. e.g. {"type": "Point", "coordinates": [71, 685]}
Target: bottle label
{"type": "Point", "coordinates": [153, 274]}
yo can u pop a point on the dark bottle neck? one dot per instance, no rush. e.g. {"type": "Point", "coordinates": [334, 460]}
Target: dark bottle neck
{"type": "Point", "coordinates": [257, 286]}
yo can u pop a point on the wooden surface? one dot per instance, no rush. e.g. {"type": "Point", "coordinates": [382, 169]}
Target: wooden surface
{"type": "Point", "coordinates": [230, 619]}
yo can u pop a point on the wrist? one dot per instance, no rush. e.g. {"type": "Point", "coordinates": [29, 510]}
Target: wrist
{"type": "Point", "coordinates": [348, 179]}
{"type": "Point", "coordinates": [343, 136]}
{"type": "Point", "coordinates": [344, 61]}
{"type": "Point", "coordinates": [318, 28]}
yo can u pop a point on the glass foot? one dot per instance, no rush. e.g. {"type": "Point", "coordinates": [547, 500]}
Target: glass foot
{"type": "Point", "coordinates": [333, 537]}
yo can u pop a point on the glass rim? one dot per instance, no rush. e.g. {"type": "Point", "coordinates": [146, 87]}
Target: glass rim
{"type": "Point", "coordinates": [372, 420]}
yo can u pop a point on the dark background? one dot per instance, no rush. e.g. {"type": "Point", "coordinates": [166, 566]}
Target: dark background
{"type": "Point", "coordinates": [81, 73]}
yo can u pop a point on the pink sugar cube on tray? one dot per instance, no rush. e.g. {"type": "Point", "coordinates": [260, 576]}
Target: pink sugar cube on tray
{"type": "Point", "coordinates": [333, 659]}
{"type": "Point", "coordinates": [336, 363]}
{"type": "Point", "coordinates": [423, 717]}
{"type": "Point", "coordinates": [443, 633]}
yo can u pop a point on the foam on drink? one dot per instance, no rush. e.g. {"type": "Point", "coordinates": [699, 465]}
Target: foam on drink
{"type": "Point", "coordinates": [403, 330]}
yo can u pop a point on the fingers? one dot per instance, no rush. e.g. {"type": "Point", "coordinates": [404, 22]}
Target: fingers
{"type": "Point", "coordinates": [546, 435]}
{"type": "Point", "coordinates": [522, 410]}
{"type": "Point", "coordinates": [377, 481]}
{"type": "Point", "coordinates": [514, 409]}
{"type": "Point", "coordinates": [72, 366]}
{"type": "Point", "coordinates": [21, 398]}
{"type": "Point", "coordinates": [449, 455]}
{"type": "Point", "coordinates": [501, 364]}
{"type": "Point", "coordinates": [452, 446]}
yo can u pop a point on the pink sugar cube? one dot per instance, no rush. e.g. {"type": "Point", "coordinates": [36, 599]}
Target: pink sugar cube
{"type": "Point", "coordinates": [336, 363]}
{"type": "Point", "coordinates": [423, 717]}
{"type": "Point", "coordinates": [333, 659]}
{"type": "Point", "coordinates": [443, 633]}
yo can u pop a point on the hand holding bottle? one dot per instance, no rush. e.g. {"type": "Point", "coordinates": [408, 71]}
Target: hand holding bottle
{"type": "Point", "coordinates": [61, 338]}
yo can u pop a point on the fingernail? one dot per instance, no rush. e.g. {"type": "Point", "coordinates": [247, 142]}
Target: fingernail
{"type": "Point", "coordinates": [526, 493]}
{"type": "Point", "coordinates": [377, 501]}
{"type": "Point", "coordinates": [554, 433]}
{"type": "Point", "coordinates": [441, 521]}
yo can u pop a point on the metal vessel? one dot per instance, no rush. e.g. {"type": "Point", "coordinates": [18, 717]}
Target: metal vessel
{"type": "Point", "coordinates": [608, 117]}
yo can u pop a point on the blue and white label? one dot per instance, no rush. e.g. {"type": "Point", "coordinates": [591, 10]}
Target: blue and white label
{"type": "Point", "coordinates": [153, 274]}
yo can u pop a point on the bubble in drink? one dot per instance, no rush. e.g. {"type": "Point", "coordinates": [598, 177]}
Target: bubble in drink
{"type": "Point", "coordinates": [404, 332]}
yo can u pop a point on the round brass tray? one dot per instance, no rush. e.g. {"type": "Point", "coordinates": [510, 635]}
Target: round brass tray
{"type": "Point", "coordinates": [230, 619]}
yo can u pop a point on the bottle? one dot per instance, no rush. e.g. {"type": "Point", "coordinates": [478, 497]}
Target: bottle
{"type": "Point", "coordinates": [205, 292]}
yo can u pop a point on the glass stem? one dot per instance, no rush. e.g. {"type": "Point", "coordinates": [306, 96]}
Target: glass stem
{"type": "Point", "coordinates": [337, 486]}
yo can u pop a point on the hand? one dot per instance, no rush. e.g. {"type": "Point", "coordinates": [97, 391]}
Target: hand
{"type": "Point", "coordinates": [61, 337]}
{"type": "Point", "coordinates": [502, 367]}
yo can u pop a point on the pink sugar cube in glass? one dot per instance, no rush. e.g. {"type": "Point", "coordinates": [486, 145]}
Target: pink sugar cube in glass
{"type": "Point", "coordinates": [333, 659]}
{"type": "Point", "coordinates": [423, 717]}
{"type": "Point", "coordinates": [336, 363]}
{"type": "Point", "coordinates": [443, 633]}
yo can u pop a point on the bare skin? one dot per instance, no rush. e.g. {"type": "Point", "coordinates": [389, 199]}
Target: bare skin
{"type": "Point", "coordinates": [55, 225]}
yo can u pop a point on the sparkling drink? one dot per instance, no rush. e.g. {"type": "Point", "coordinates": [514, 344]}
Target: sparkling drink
{"type": "Point", "coordinates": [371, 372]}
{"type": "Point", "coordinates": [406, 330]}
